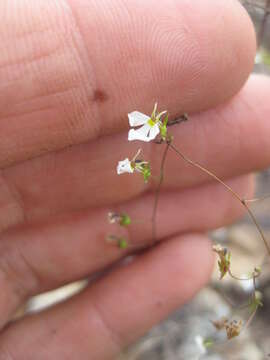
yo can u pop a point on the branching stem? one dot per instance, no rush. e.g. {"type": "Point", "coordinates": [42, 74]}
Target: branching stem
{"type": "Point", "coordinates": [243, 201]}
{"type": "Point", "coordinates": [257, 199]}
{"type": "Point", "coordinates": [161, 177]}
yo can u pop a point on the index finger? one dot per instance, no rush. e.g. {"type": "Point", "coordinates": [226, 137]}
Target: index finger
{"type": "Point", "coordinates": [118, 308]}
{"type": "Point", "coordinates": [71, 70]}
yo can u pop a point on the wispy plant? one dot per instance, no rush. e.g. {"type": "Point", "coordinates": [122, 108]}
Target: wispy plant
{"type": "Point", "coordinates": [155, 128]}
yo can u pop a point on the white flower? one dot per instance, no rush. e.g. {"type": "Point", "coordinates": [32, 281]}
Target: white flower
{"type": "Point", "coordinates": [200, 344]}
{"type": "Point", "coordinates": [147, 132]}
{"type": "Point", "coordinates": [150, 125]}
{"type": "Point", "coordinates": [124, 166]}
{"type": "Point", "coordinates": [141, 166]}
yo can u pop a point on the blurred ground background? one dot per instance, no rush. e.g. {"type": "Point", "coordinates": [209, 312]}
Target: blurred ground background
{"type": "Point", "coordinates": [174, 339]}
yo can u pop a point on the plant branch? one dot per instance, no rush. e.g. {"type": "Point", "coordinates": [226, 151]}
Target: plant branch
{"type": "Point", "coordinates": [257, 199]}
{"type": "Point", "coordinates": [161, 177]}
{"type": "Point", "coordinates": [243, 202]}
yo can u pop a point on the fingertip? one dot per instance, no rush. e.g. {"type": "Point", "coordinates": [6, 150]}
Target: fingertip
{"type": "Point", "coordinates": [114, 57]}
{"type": "Point", "coordinates": [197, 261]}
{"type": "Point", "coordinates": [226, 43]}
{"type": "Point", "coordinates": [155, 284]}
{"type": "Point", "coordinates": [184, 264]}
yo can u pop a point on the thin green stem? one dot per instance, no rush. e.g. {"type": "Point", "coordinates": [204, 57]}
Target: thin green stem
{"type": "Point", "coordinates": [257, 199]}
{"type": "Point", "coordinates": [239, 278]}
{"type": "Point", "coordinates": [249, 320]}
{"type": "Point", "coordinates": [243, 202]}
{"type": "Point", "coordinates": [161, 178]}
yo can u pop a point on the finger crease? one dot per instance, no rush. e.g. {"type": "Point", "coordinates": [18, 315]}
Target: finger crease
{"type": "Point", "coordinates": [113, 335]}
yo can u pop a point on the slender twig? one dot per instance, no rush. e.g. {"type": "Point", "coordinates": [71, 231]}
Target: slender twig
{"type": "Point", "coordinates": [265, 197]}
{"type": "Point", "coordinates": [239, 278]}
{"type": "Point", "coordinates": [180, 119]}
{"type": "Point", "coordinates": [256, 308]}
{"type": "Point", "coordinates": [243, 202]}
{"type": "Point", "coordinates": [243, 278]}
{"type": "Point", "coordinates": [250, 319]}
{"type": "Point", "coordinates": [161, 177]}
{"type": "Point", "coordinates": [235, 307]}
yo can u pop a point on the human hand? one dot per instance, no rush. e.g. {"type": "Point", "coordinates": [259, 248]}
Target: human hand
{"type": "Point", "coordinates": [70, 71]}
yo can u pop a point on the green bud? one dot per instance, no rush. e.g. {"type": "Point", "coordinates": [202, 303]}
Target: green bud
{"type": "Point", "coordinates": [146, 174]}
{"type": "Point", "coordinates": [163, 128]}
{"type": "Point", "coordinates": [125, 220]}
{"type": "Point", "coordinates": [122, 243]}
{"type": "Point", "coordinates": [257, 271]}
{"type": "Point", "coordinates": [208, 343]}
{"type": "Point", "coordinates": [119, 241]}
{"type": "Point", "coordinates": [256, 301]}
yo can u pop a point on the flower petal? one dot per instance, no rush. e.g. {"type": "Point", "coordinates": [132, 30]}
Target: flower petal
{"type": "Point", "coordinates": [200, 344]}
{"type": "Point", "coordinates": [154, 131]}
{"type": "Point", "coordinates": [140, 134]}
{"type": "Point", "coordinates": [124, 166]}
{"type": "Point", "coordinates": [137, 118]}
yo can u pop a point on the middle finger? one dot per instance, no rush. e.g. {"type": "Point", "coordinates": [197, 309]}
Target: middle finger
{"type": "Point", "coordinates": [230, 140]}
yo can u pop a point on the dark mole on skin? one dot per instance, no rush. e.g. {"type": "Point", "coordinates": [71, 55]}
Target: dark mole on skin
{"type": "Point", "coordinates": [53, 331]}
{"type": "Point", "coordinates": [159, 304]}
{"type": "Point", "coordinates": [100, 96]}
